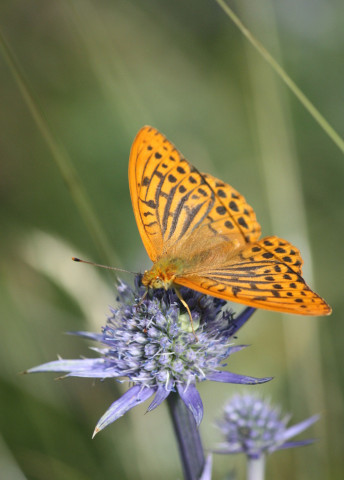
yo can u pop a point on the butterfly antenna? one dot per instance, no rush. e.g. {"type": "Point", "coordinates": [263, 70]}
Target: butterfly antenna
{"type": "Point", "coordinates": [75, 259]}
{"type": "Point", "coordinates": [179, 295]}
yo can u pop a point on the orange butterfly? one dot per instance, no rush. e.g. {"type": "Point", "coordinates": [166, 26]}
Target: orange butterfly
{"type": "Point", "coordinates": [200, 233]}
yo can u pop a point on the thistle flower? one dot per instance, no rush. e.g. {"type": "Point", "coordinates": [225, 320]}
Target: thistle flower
{"type": "Point", "coordinates": [151, 343]}
{"type": "Point", "coordinates": [254, 427]}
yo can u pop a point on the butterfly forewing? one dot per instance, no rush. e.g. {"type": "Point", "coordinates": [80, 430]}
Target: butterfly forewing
{"type": "Point", "coordinates": [171, 199]}
{"type": "Point", "coordinates": [231, 214]}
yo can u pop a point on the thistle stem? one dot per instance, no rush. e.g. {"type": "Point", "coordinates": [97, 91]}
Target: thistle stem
{"type": "Point", "coordinates": [188, 437]}
{"type": "Point", "coordinates": [256, 468]}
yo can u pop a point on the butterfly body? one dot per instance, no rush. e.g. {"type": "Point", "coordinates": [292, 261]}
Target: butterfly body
{"type": "Point", "coordinates": [201, 233]}
{"type": "Point", "coordinates": [184, 259]}
{"type": "Point", "coordinates": [163, 273]}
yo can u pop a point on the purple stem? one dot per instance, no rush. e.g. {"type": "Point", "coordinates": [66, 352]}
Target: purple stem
{"type": "Point", "coordinates": [188, 437]}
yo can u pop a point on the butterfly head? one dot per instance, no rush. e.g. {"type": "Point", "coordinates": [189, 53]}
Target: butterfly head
{"type": "Point", "coordinates": [152, 279]}
{"type": "Point", "coordinates": [163, 273]}
{"type": "Point", "coordinates": [155, 282]}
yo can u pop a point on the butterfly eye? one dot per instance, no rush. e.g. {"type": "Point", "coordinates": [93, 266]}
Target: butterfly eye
{"type": "Point", "coordinates": [157, 282]}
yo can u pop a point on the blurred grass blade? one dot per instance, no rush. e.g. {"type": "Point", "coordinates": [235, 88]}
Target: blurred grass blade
{"type": "Point", "coordinates": [107, 65]}
{"type": "Point", "coordinates": [60, 157]}
{"type": "Point", "coordinates": [318, 117]}
{"type": "Point", "coordinates": [10, 468]}
{"type": "Point", "coordinates": [274, 135]}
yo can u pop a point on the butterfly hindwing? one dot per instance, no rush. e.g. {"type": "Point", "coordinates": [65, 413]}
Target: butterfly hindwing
{"type": "Point", "coordinates": [265, 274]}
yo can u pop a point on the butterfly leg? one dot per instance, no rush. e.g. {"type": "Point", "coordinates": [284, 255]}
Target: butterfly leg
{"type": "Point", "coordinates": [199, 300]}
{"type": "Point", "coordinates": [176, 289]}
{"type": "Point", "coordinates": [142, 298]}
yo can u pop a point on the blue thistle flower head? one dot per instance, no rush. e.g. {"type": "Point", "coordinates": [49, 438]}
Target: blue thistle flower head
{"type": "Point", "coordinates": [150, 343]}
{"type": "Point", "coordinates": [254, 427]}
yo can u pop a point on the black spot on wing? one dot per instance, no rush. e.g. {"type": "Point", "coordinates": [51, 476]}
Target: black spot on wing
{"type": "Point", "coordinates": [202, 192]}
{"type": "Point", "coordinates": [236, 290]}
{"type": "Point", "coordinates": [242, 222]}
{"type": "Point", "coordinates": [233, 206]}
{"type": "Point", "coordinates": [150, 203]}
{"type": "Point", "coordinates": [221, 193]}
{"type": "Point", "coordinates": [221, 210]}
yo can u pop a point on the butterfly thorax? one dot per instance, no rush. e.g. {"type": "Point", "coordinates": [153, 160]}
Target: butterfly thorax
{"type": "Point", "coordinates": [163, 273]}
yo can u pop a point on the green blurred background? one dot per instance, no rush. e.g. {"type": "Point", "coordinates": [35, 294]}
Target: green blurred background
{"type": "Point", "coordinates": [99, 71]}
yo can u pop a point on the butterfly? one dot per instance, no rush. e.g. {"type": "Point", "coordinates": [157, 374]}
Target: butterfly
{"type": "Point", "coordinates": [200, 233]}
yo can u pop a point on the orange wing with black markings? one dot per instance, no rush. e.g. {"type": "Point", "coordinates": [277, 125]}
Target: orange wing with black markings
{"type": "Point", "coordinates": [201, 233]}
{"type": "Point", "coordinates": [265, 274]}
{"type": "Point", "coordinates": [171, 199]}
